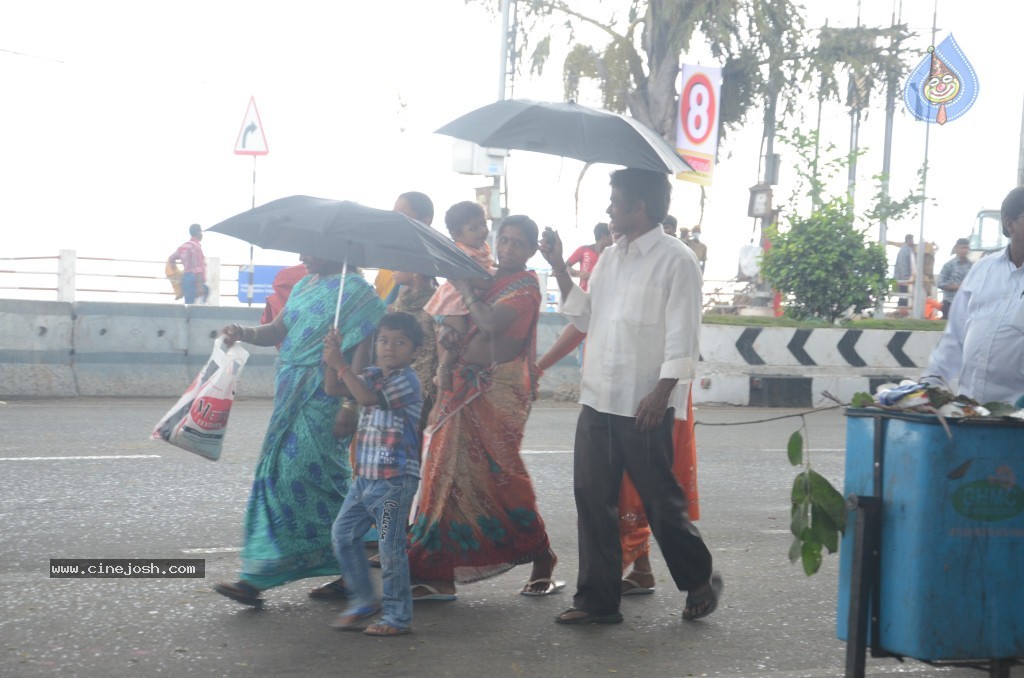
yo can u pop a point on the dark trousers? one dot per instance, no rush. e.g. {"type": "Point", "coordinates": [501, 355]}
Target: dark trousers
{"type": "Point", "coordinates": [945, 309]}
{"type": "Point", "coordinates": [606, 445]}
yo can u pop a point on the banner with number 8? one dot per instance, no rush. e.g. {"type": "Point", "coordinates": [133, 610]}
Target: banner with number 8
{"type": "Point", "coordinates": [697, 121]}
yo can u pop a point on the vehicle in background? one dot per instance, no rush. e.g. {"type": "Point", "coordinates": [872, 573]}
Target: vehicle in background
{"type": "Point", "coordinates": [987, 235]}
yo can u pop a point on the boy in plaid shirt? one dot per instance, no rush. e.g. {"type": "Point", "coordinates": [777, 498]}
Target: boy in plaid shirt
{"type": "Point", "coordinates": [386, 474]}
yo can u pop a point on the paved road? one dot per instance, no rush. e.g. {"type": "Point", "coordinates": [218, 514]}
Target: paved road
{"type": "Point", "coordinates": [79, 478]}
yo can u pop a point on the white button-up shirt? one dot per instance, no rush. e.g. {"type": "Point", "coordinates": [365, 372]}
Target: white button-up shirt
{"type": "Point", "coordinates": [983, 344]}
{"type": "Point", "coordinates": [642, 318]}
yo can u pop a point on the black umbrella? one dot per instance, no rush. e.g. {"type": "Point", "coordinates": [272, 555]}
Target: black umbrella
{"type": "Point", "coordinates": [356, 235]}
{"type": "Point", "coordinates": [567, 129]}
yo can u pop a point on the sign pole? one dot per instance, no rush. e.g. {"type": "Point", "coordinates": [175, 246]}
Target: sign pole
{"type": "Point", "coordinates": [251, 141]}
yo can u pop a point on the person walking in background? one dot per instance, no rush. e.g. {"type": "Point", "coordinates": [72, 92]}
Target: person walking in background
{"type": "Point", "coordinates": [303, 471]}
{"type": "Point", "coordinates": [699, 248]}
{"type": "Point", "coordinates": [642, 315]}
{"type": "Point", "coordinates": [586, 256]}
{"type": "Point", "coordinates": [953, 273]}
{"type": "Point", "coordinates": [671, 225]}
{"type": "Point", "coordinates": [193, 263]}
{"type": "Point", "coordinates": [386, 473]}
{"type": "Point", "coordinates": [903, 271]}
{"type": "Point", "coordinates": [981, 346]}
{"type": "Point", "coordinates": [414, 205]}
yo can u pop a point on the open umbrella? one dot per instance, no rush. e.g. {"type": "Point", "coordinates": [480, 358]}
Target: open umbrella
{"type": "Point", "coordinates": [569, 130]}
{"type": "Point", "coordinates": [356, 235]}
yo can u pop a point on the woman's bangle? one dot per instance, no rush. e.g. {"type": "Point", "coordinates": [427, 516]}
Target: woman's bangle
{"type": "Point", "coordinates": [559, 271]}
{"type": "Point", "coordinates": [349, 404]}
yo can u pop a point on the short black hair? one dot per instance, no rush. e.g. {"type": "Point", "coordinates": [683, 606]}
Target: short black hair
{"type": "Point", "coordinates": [1012, 207]}
{"type": "Point", "coordinates": [669, 221]}
{"type": "Point", "coordinates": [528, 226]}
{"type": "Point", "coordinates": [653, 188]}
{"type": "Point", "coordinates": [601, 230]}
{"type": "Point", "coordinates": [460, 214]}
{"type": "Point", "coordinates": [405, 323]}
{"type": "Point", "coordinates": [421, 204]}
{"type": "Point", "coordinates": [195, 229]}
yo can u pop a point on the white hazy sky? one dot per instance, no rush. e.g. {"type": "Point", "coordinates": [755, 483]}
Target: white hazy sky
{"type": "Point", "coordinates": [120, 118]}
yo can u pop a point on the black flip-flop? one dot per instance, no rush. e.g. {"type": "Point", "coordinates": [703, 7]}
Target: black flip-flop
{"type": "Point", "coordinates": [707, 602]}
{"type": "Point", "coordinates": [240, 592]}
{"type": "Point", "coordinates": [334, 590]}
{"type": "Point", "coordinates": [588, 617]}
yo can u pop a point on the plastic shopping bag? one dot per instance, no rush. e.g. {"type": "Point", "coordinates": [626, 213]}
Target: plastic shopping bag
{"type": "Point", "coordinates": [199, 420]}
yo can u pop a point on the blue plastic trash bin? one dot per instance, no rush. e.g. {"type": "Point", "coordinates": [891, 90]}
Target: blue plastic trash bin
{"type": "Point", "coordinates": [952, 539]}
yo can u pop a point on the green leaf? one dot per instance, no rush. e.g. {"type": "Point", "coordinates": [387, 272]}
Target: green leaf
{"type": "Point", "coordinates": [795, 449]}
{"type": "Point", "coordinates": [810, 555]}
{"type": "Point", "coordinates": [862, 399]}
{"type": "Point", "coordinates": [800, 518]}
{"type": "Point", "coordinates": [824, 530]}
{"type": "Point", "coordinates": [828, 498]}
{"type": "Point", "coordinates": [800, 489]}
{"type": "Point", "coordinates": [999, 409]}
{"type": "Point", "coordinates": [795, 550]}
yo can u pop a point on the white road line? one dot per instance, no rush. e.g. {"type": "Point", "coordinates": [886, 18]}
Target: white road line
{"type": "Point", "coordinates": [782, 449]}
{"type": "Point", "coordinates": [215, 549]}
{"type": "Point", "coordinates": [98, 456]}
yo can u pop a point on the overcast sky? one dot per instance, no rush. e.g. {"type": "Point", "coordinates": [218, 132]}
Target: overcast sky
{"type": "Point", "coordinates": [120, 119]}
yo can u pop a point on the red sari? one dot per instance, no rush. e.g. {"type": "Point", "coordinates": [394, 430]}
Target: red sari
{"type": "Point", "coordinates": [477, 514]}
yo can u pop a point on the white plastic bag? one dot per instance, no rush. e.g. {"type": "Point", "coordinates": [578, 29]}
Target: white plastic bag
{"type": "Point", "coordinates": [199, 419]}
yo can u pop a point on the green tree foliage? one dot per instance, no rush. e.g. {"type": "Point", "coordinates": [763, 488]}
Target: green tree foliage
{"type": "Point", "coordinates": [825, 263]}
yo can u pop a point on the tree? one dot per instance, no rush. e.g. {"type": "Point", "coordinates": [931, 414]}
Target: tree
{"type": "Point", "coordinates": [636, 66]}
{"type": "Point", "coordinates": [824, 260]}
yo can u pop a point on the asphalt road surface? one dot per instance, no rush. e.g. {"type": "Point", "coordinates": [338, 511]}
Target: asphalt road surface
{"type": "Point", "coordinates": [80, 479]}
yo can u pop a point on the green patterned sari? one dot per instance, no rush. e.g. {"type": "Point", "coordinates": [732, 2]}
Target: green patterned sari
{"type": "Point", "coordinates": [303, 472]}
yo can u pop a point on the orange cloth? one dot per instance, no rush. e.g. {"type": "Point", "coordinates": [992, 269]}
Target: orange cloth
{"type": "Point", "coordinates": [284, 281]}
{"type": "Point", "coordinates": [634, 531]}
{"type": "Point", "coordinates": [447, 300]}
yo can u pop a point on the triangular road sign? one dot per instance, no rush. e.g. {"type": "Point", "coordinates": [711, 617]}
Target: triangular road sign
{"type": "Point", "coordinates": [251, 139]}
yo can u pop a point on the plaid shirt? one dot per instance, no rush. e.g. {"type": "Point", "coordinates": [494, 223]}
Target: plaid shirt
{"type": "Point", "coordinates": [388, 442]}
{"type": "Point", "coordinates": [190, 254]}
{"type": "Point", "coordinates": [953, 272]}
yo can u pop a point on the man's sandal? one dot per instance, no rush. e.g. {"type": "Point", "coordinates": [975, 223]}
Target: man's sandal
{"type": "Point", "coordinates": [384, 630]}
{"type": "Point", "coordinates": [241, 592]}
{"type": "Point", "coordinates": [577, 616]}
{"type": "Point", "coordinates": [700, 606]}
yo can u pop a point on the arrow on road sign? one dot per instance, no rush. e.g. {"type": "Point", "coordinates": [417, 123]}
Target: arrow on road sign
{"type": "Point", "coordinates": [251, 139]}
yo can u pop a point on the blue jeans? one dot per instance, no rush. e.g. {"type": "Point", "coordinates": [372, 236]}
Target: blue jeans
{"type": "Point", "coordinates": [190, 288]}
{"type": "Point", "coordinates": [385, 503]}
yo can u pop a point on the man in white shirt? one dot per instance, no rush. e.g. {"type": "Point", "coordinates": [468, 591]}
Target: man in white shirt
{"type": "Point", "coordinates": [984, 338]}
{"type": "Point", "coordinates": [642, 320]}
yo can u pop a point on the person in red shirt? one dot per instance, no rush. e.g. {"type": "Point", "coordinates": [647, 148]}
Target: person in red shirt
{"type": "Point", "coordinates": [586, 255]}
{"type": "Point", "coordinates": [190, 254]}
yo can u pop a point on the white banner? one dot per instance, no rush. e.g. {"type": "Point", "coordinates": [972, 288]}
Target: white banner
{"type": "Point", "coordinates": [697, 121]}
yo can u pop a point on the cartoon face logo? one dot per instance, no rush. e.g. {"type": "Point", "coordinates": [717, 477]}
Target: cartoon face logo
{"type": "Point", "coordinates": [941, 88]}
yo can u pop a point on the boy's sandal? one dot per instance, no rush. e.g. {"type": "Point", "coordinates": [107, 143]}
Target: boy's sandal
{"type": "Point", "coordinates": [574, 615]}
{"type": "Point", "coordinates": [356, 619]}
{"type": "Point", "coordinates": [334, 590]}
{"type": "Point", "coordinates": [385, 629]}
{"type": "Point", "coordinates": [632, 587]}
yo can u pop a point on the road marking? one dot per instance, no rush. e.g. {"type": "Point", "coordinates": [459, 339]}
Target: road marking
{"type": "Point", "coordinates": [813, 449]}
{"type": "Point", "coordinates": [215, 549]}
{"type": "Point", "coordinates": [546, 452]}
{"type": "Point", "coordinates": [98, 456]}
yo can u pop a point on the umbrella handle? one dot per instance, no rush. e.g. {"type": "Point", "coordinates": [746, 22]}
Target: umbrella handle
{"type": "Point", "coordinates": [341, 291]}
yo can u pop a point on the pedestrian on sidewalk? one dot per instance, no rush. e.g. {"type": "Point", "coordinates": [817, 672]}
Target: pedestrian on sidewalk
{"type": "Point", "coordinates": [190, 254]}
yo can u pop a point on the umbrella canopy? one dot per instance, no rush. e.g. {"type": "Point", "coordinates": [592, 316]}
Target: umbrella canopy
{"type": "Point", "coordinates": [345, 231]}
{"type": "Point", "coordinates": [567, 129]}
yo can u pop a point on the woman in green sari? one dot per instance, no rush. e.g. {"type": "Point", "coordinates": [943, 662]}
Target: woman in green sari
{"type": "Point", "coordinates": [303, 472]}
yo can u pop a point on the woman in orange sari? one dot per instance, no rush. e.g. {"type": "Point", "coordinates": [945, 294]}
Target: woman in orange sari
{"type": "Point", "coordinates": [477, 512]}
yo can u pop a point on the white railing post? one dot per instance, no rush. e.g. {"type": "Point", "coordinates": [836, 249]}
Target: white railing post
{"type": "Point", "coordinates": [213, 280]}
{"type": "Point", "coordinates": [66, 275]}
